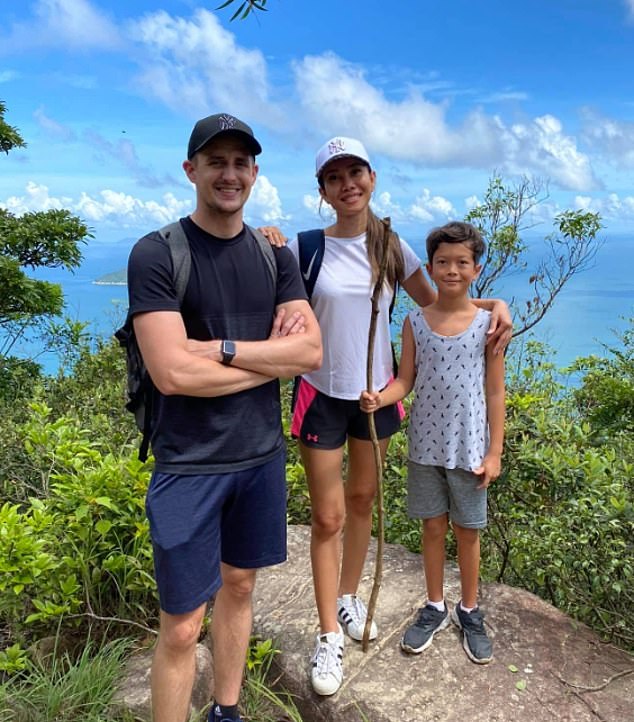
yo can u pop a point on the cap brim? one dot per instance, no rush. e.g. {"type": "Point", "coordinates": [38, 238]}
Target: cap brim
{"type": "Point", "coordinates": [338, 157]}
{"type": "Point", "coordinates": [248, 140]}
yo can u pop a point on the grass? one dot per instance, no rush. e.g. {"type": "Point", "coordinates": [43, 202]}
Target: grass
{"type": "Point", "coordinates": [64, 689]}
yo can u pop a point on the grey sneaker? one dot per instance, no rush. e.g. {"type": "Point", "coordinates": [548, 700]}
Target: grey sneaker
{"type": "Point", "coordinates": [326, 674]}
{"type": "Point", "coordinates": [352, 613]}
{"type": "Point", "coordinates": [475, 641]}
{"type": "Point", "coordinates": [420, 635]}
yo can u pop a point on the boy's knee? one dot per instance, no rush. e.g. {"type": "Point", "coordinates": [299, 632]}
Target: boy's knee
{"type": "Point", "coordinates": [466, 534]}
{"type": "Point", "coordinates": [436, 526]}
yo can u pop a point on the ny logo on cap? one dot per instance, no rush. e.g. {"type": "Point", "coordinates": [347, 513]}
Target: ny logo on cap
{"type": "Point", "coordinates": [227, 122]}
{"type": "Point", "coordinates": [336, 145]}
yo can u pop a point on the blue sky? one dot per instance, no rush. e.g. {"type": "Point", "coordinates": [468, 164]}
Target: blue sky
{"type": "Point", "coordinates": [442, 94]}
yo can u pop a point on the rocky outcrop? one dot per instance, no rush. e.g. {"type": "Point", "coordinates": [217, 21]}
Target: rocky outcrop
{"type": "Point", "coordinates": [547, 668]}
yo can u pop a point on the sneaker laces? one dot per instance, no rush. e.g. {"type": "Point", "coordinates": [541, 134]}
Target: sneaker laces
{"type": "Point", "coordinates": [427, 616]}
{"type": "Point", "coordinates": [326, 658]}
{"type": "Point", "coordinates": [474, 622]}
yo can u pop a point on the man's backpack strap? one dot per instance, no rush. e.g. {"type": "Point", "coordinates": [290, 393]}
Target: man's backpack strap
{"type": "Point", "coordinates": [178, 244]}
{"type": "Point", "coordinates": [311, 246]}
{"type": "Point", "coordinates": [267, 251]}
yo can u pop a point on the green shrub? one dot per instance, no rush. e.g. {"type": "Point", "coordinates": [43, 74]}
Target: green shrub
{"type": "Point", "coordinates": [83, 546]}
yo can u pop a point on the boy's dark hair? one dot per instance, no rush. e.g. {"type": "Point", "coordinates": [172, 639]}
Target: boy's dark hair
{"type": "Point", "coordinates": [456, 232]}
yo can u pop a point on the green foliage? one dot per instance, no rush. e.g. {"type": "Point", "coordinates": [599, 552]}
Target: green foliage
{"type": "Point", "coordinates": [502, 217]}
{"type": "Point", "coordinates": [65, 689]}
{"type": "Point", "coordinates": [259, 701]}
{"type": "Point", "coordinates": [246, 7]}
{"type": "Point", "coordinates": [562, 515]}
{"type": "Point", "coordinates": [606, 395]}
{"type": "Point", "coordinates": [9, 136]}
{"type": "Point", "coordinates": [82, 546]}
{"type": "Point", "coordinates": [46, 239]}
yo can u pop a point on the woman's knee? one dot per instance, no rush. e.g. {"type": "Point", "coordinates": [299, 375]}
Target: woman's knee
{"type": "Point", "coordinates": [328, 522]}
{"type": "Point", "coordinates": [360, 501]}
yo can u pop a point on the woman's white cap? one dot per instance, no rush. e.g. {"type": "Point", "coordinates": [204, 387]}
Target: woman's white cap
{"type": "Point", "coordinates": [340, 147]}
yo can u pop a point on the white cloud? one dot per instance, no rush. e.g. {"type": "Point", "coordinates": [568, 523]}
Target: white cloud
{"type": "Point", "coordinates": [52, 128]}
{"type": "Point", "coordinates": [611, 207]}
{"type": "Point", "coordinates": [69, 24]}
{"type": "Point", "coordinates": [124, 152]}
{"type": "Point", "coordinates": [264, 202]}
{"type": "Point", "coordinates": [336, 97]}
{"type": "Point", "coordinates": [6, 76]}
{"type": "Point", "coordinates": [613, 138]}
{"type": "Point", "coordinates": [196, 65]}
{"type": "Point", "coordinates": [108, 207]}
{"type": "Point", "coordinates": [629, 4]}
{"type": "Point", "coordinates": [541, 147]}
{"type": "Point", "coordinates": [432, 208]}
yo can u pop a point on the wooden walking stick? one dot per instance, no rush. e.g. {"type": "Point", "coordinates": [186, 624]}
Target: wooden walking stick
{"type": "Point", "coordinates": [378, 462]}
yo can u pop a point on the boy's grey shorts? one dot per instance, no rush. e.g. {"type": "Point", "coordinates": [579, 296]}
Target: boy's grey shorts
{"type": "Point", "coordinates": [433, 491]}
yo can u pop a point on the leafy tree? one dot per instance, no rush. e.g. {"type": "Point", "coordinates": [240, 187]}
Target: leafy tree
{"type": "Point", "coordinates": [246, 7]}
{"type": "Point", "coordinates": [502, 218]}
{"type": "Point", "coordinates": [47, 239]}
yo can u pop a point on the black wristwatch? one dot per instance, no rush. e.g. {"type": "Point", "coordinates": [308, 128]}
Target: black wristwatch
{"type": "Point", "coordinates": [228, 351]}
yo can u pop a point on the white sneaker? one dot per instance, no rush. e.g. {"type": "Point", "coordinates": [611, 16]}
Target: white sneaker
{"type": "Point", "coordinates": [326, 674]}
{"type": "Point", "coordinates": [352, 613]}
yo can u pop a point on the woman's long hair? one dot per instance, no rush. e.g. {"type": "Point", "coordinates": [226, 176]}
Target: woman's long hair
{"type": "Point", "coordinates": [375, 240]}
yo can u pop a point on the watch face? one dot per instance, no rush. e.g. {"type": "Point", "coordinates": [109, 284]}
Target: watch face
{"type": "Point", "coordinates": [228, 351]}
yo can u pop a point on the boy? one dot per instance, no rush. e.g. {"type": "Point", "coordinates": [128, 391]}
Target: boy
{"type": "Point", "coordinates": [455, 431]}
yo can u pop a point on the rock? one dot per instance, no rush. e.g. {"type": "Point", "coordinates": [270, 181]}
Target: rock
{"type": "Point", "coordinates": [133, 695]}
{"type": "Point", "coordinates": [559, 662]}
{"type": "Point", "coordinates": [547, 668]}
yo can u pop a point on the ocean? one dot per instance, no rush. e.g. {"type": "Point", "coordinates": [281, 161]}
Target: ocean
{"type": "Point", "coordinates": [592, 308]}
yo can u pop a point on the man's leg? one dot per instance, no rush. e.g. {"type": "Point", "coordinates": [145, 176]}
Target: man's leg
{"type": "Point", "coordinates": [231, 625]}
{"type": "Point", "coordinates": [173, 666]}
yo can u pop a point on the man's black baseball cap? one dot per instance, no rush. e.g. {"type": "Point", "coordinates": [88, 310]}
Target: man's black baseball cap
{"type": "Point", "coordinates": [213, 125]}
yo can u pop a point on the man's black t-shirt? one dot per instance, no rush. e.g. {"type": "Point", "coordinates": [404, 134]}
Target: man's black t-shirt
{"type": "Point", "coordinates": [230, 295]}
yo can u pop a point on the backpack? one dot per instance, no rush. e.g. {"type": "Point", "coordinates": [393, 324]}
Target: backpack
{"type": "Point", "coordinates": [139, 384]}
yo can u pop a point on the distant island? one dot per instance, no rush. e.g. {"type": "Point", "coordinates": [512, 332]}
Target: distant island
{"type": "Point", "coordinates": [118, 278]}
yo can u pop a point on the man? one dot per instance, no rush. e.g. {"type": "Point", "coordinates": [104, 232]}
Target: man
{"type": "Point", "coordinates": [217, 499]}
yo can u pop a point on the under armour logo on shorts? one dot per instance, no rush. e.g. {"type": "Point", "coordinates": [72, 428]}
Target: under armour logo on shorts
{"type": "Point", "coordinates": [312, 437]}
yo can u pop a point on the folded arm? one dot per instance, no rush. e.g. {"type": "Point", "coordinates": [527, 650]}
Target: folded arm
{"type": "Point", "coordinates": [293, 348]}
{"type": "Point", "coordinates": [175, 368]}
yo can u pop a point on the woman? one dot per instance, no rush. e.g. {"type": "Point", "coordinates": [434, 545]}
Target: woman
{"type": "Point", "coordinates": [327, 416]}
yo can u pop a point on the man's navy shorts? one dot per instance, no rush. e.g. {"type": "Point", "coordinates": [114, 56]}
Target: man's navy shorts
{"type": "Point", "coordinates": [196, 522]}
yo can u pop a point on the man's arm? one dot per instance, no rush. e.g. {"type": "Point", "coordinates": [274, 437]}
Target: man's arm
{"type": "Point", "coordinates": [283, 356]}
{"type": "Point", "coordinates": [175, 369]}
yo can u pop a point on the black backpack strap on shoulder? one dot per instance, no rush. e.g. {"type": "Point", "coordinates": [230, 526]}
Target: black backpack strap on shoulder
{"type": "Point", "coordinates": [311, 246]}
{"type": "Point", "coordinates": [178, 244]}
{"type": "Point", "coordinates": [267, 251]}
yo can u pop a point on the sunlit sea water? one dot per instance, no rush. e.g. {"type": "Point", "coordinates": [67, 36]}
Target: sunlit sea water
{"type": "Point", "coordinates": [592, 307]}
